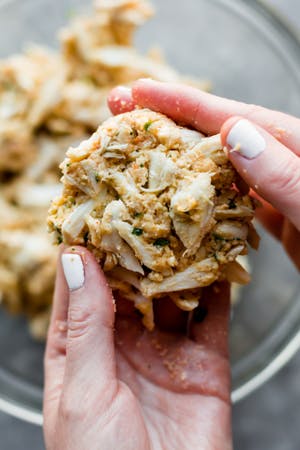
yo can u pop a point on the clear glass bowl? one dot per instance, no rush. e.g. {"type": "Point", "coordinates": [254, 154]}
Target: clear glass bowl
{"type": "Point", "coordinates": [249, 55]}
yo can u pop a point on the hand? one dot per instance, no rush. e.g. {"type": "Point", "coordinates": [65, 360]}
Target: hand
{"type": "Point", "coordinates": [128, 388]}
{"type": "Point", "coordinates": [265, 148]}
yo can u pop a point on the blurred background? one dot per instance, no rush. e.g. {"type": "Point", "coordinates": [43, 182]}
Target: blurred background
{"type": "Point", "coordinates": [267, 419]}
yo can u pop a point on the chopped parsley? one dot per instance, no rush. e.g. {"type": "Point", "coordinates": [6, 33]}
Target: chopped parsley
{"type": "Point", "coordinates": [137, 231]}
{"type": "Point", "coordinates": [161, 242]}
{"type": "Point", "coordinates": [215, 255]}
{"type": "Point", "coordinates": [59, 239]}
{"type": "Point", "coordinates": [71, 201]}
{"type": "Point", "coordinates": [217, 237]}
{"type": "Point", "coordinates": [148, 125]}
{"type": "Point", "coordinates": [232, 204]}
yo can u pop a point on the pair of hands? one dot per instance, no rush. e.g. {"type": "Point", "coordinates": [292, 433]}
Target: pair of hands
{"type": "Point", "coordinates": [110, 384]}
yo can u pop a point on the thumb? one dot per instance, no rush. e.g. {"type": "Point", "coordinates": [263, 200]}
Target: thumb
{"type": "Point", "coordinates": [270, 168]}
{"type": "Point", "coordinates": [90, 354]}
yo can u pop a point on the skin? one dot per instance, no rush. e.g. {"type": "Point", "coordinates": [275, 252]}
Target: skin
{"type": "Point", "coordinates": [109, 383]}
{"type": "Point", "coordinates": [274, 175]}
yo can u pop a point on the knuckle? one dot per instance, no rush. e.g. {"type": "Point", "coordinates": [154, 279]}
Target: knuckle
{"type": "Point", "coordinates": [79, 321]}
{"type": "Point", "coordinates": [69, 410]}
{"type": "Point", "coordinates": [56, 346]}
{"type": "Point", "coordinates": [286, 178]}
{"type": "Point", "coordinates": [254, 112]}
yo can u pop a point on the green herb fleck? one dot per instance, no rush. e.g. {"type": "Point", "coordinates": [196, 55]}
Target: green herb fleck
{"type": "Point", "coordinates": [215, 255]}
{"type": "Point", "coordinates": [161, 242]}
{"type": "Point", "coordinates": [141, 165]}
{"type": "Point", "coordinates": [137, 214]}
{"type": "Point", "coordinates": [68, 164]}
{"type": "Point", "coordinates": [137, 231]}
{"type": "Point", "coordinates": [148, 125]}
{"type": "Point", "coordinates": [59, 239]}
{"type": "Point", "coordinates": [217, 237]}
{"type": "Point", "coordinates": [232, 204]}
{"type": "Point", "coordinates": [97, 177]}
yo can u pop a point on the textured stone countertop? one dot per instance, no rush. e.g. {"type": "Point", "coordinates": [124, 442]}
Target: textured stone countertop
{"type": "Point", "coordinates": [266, 420]}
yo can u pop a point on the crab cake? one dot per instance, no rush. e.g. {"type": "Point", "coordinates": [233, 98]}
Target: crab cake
{"type": "Point", "coordinates": [158, 205]}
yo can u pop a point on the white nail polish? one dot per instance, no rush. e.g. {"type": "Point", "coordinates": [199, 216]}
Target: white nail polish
{"type": "Point", "coordinates": [246, 139]}
{"type": "Point", "coordinates": [73, 270]}
{"type": "Point", "coordinates": [125, 89]}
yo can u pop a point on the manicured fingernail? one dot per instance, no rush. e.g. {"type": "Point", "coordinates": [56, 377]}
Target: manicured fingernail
{"type": "Point", "coordinates": [124, 90]}
{"type": "Point", "coordinates": [73, 270]}
{"type": "Point", "coordinates": [146, 79]}
{"type": "Point", "coordinates": [246, 140]}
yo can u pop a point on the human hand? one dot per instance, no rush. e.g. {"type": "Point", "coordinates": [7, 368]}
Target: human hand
{"type": "Point", "coordinates": [265, 148]}
{"type": "Point", "coordinates": [112, 385]}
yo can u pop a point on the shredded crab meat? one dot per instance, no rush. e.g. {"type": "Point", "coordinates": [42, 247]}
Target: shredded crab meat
{"type": "Point", "coordinates": [75, 222]}
{"type": "Point", "coordinates": [115, 244]}
{"type": "Point", "coordinates": [51, 100]}
{"type": "Point", "coordinates": [161, 172]}
{"type": "Point", "coordinates": [161, 230]}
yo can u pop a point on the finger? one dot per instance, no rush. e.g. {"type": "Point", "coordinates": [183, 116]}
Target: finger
{"type": "Point", "coordinates": [207, 112]}
{"type": "Point", "coordinates": [291, 241]}
{"type": "Point", "coordinates": [120, 100]}
{"type": "Point", "coordinates": [54, 361]}
{"type": "Point", "coordinates": [271, 169]}
{"type": "Point", "coordinates": [270, 218]}
{"type": "Point", "coordinates": [211, 319]}
{"type": "Point", "coordinates": [90, 336]}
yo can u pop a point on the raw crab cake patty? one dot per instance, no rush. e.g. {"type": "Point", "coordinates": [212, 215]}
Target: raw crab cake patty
{"type": "Point", "coordinates": [159, 207]}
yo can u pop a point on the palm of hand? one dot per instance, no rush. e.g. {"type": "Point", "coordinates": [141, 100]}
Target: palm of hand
{"type": "Point", "coordinates": [172, 391]}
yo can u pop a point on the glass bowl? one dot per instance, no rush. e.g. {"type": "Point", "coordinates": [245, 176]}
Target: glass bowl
{"type": "Point", "coordinates": [248, 54]}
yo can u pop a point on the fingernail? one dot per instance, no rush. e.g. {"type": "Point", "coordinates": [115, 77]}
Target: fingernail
{"type": "Point", "coordinates": [246, 140]}
{"type": "Point", "coordinates": [124, 89]}
{"type": "Point", "coordinates": [146, 79]}
{"type": "Point", "coordinates": [73, 270]}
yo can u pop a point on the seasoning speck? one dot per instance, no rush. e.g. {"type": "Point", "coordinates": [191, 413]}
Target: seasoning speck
{"type": "Point", "coordinates": [148, 125]}
{"type": "Point", "coordinates": [137, 231]}
{"type": "Point", "coordinates": [161, 242]}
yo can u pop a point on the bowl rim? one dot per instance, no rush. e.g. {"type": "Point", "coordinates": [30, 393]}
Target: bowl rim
{"type": "Point", "coordinates": [269, 370]}
{"type": "Point", "coordinates": [288, 349]}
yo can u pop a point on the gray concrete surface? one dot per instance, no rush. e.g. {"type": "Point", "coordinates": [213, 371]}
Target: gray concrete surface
{"type": "Point", "coordinates": [269, 419]}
